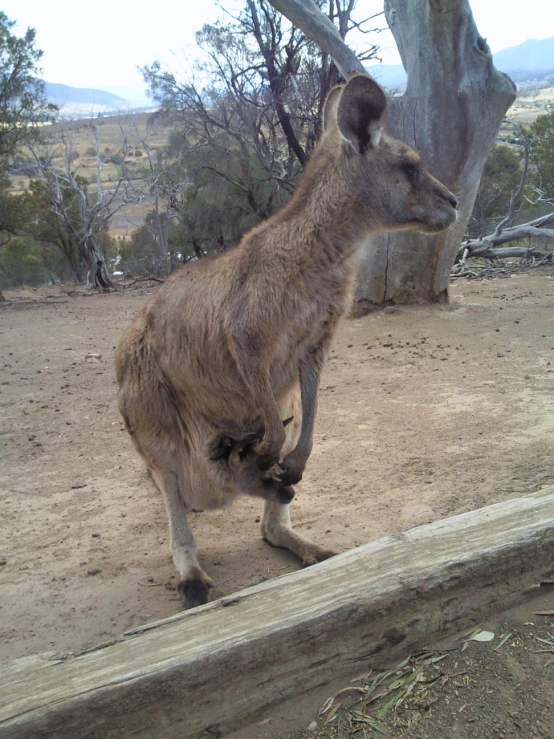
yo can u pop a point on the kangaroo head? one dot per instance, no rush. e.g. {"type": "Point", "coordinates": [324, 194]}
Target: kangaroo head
{"type": "Point", "coordinates": [383, 178]}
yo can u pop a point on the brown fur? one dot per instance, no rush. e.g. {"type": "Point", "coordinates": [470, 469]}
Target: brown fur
{"type": "Point", "coordinates": [231, 346]}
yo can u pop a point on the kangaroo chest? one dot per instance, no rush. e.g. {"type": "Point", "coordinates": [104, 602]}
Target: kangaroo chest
{"type": "Point", "coordinates": [312, 321]}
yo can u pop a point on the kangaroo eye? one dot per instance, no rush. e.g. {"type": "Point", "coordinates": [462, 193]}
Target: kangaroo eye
{"type": "Point", "coordinates": [412, 172]}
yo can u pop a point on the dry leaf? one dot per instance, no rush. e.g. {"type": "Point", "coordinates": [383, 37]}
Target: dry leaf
{"type": "Point", "coordinates": [503, 641]}
{"type": "Point", "coordinates": [332, 712]}
{"type": "Point", "coordinates": [326, 706]}
{"type": "Point", "coordinates": [483, 636]}
{"type": "Point", "coordinates": [361, 677]}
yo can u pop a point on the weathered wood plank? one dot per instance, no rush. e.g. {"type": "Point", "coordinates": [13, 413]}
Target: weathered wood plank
{"type": "Point", "coordinates": [213, 666]}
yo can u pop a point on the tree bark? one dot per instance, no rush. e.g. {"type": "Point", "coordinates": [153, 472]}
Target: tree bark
{"type": "Point", "coordinates": [97, 275]}
{"type": "Point", "coordinates": [453, 106]}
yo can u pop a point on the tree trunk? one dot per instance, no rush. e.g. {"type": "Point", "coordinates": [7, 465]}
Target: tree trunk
{"type": "Point", "coordinates": [451, 111]}
{"type": "Point", "coordinates": [97, 275]}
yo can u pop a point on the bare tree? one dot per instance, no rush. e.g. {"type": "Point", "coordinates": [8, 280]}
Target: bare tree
{"type": "Point", "coordinates": [83, 215]}
{"type": "Point", "coordinates": [453, 106]}
{"type": "Point", "coordinates": [155, 186]}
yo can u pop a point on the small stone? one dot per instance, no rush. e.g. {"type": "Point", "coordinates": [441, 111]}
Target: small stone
{"type": "Point", "coordinates": [93, 572]}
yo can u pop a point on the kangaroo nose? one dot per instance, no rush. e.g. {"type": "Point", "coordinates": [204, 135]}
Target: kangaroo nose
{"type": "Point", "coordinates": [452, 200]}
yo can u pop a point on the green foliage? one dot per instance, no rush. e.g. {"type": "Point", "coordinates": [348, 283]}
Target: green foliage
{"type": "Point", "coordinates": [541, 140]}
{"type": "Point", "coordinates": [117, 158]}
{"type": "Point", "coordinates": [20, 263]}
{"type": "Point", "coordinates": [142, 253]}
{"type": "Point", "coordinates": [22, 107]}
{"type": "Point", "coordinates": [226, 194]}
{"type": "Point", "coordinates": [11, 209]}
{"type": "Point", "coordinates": [22, 102]}
{"type": "Point", "coordinates": [499, 181]}
{"type": "Point", "coordinates": [60, 250]}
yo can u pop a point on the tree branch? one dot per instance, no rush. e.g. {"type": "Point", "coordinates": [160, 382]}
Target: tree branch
{"type": "Point", "coordinates": [315, 25]}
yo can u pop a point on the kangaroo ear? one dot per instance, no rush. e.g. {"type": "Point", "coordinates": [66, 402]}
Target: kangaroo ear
{"type": "Point", "coordinates": [361, 111]}
{"type": "Point", "coordinates": [331, 105]}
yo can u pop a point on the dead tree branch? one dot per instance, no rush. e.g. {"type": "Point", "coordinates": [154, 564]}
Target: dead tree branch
{"type": "Point", "coordinates": [485, 246]}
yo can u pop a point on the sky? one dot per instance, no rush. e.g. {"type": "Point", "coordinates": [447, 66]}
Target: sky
{"type": "Point", "coordinates": [102, 44]}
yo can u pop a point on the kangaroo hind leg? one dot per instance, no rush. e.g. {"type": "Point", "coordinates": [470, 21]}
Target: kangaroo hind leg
{"type": "Point", "coordinates": [276, 527]}
{"type": "Point", "coordinates": [194, 585]}
{"type": "Point", "coordinates": [277, 530]}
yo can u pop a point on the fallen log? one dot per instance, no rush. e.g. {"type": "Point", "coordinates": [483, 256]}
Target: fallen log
{"type": "Point", "coordinates": [533, 229]}
{"type": "Point", "coordinates": [511, 252]}
{"type": "Point", "coordinates": [203, 672]}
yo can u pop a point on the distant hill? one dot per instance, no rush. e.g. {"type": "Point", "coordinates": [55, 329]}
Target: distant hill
{"type": "Point", "coordinates": [528, 61]}
{"type": "Point", "coordinates": [530, 56]}
{"type": "Point", "coordinates": [63, 94]}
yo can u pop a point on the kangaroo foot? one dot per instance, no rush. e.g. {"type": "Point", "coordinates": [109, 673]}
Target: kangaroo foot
{"type": "Point", "coordinates": [317, 555]}
{"type": "Point", "coordinates": [194, 591]}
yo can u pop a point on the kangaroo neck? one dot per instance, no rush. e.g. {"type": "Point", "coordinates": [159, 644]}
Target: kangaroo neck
{"type": "Point", "coordinates": [314, 228]}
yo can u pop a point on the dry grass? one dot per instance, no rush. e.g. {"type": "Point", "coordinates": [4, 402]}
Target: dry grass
{"type": "Point", "coordinates": [530, 104]}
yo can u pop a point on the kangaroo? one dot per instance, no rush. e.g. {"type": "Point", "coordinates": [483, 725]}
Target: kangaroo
{"type": "Point", "coordinates": [219, 373]}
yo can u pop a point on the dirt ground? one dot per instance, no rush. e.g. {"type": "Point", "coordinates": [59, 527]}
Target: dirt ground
{"type": "Point", "coordinates": [425, 412]}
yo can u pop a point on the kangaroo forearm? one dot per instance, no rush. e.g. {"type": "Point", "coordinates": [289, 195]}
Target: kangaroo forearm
{"type": "Point", "coordinates": [263, 401]}
{"type": "Point", "coordinates": [310, 370]}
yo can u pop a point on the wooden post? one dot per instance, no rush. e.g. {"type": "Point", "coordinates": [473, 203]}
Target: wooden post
{"type": "Point", "coordinates": [203, 672]}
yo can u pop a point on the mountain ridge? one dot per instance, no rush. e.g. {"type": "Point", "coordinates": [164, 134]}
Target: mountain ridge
{"type": "Point", "coordinates": [61, 94]}
{"type": "Point", "coordinates": [529, 60]}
